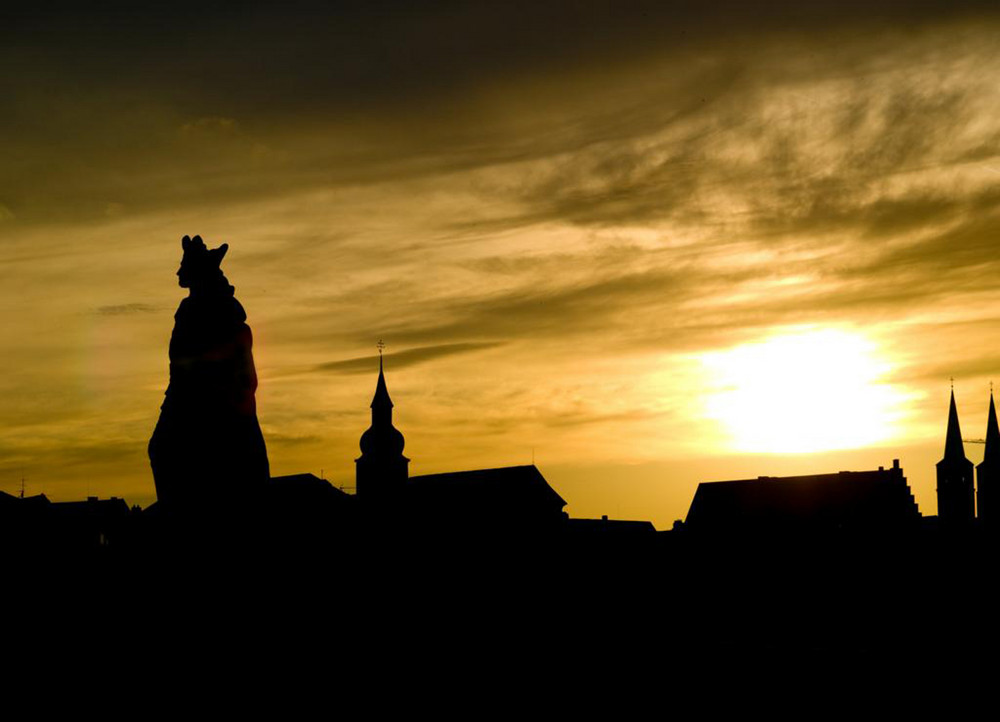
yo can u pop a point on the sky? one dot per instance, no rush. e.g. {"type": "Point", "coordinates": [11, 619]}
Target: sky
{"type": "Point", "coordinates": [644, 244]}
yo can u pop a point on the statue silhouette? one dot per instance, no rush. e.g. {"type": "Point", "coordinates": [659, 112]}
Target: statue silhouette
{"type": "Point", "coordinates": [207, 449]}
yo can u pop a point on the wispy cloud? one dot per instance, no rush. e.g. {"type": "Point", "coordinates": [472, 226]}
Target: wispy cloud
{"type": "Point", "coordinates": [403, 359]}
{"type": "Point", "coordinates": [554, 186]}
{"type": "Point", "coordinates": [126, 309]}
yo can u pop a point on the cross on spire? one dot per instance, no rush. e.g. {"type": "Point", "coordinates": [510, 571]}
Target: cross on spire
{"type": "Point", "coordinates": [380, 345]}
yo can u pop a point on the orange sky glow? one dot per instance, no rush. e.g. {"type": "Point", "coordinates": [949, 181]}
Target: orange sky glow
{"type": "Point", "coordinates": [645, 250]}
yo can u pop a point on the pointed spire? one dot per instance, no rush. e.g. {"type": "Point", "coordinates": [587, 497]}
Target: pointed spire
{"type": "Point", "coordinates": [992, 450]}
{"type": "Point", "coordinates": [381, 399]}
{"type": "Point", "coordinates": [382, 439]}
{"type": "Point", "coordinates": [953, 448]}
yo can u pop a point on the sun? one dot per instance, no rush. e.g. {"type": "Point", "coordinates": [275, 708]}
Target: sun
{"type": "Point", "coordinates": [803, 391]}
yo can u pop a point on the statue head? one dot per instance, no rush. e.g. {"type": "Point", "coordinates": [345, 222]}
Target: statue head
{"type": "Point", "coordinates": [200, 266]}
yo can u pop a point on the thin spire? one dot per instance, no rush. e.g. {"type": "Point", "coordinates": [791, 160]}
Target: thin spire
{"type": "Point", "coordinates": [381, 399]}
{"type": "Point", "coordinates": [992, 450]}
{"type": "Point", "coordinates": [382, 440]}
{"type": "Point", "coordinates": [953, 448]}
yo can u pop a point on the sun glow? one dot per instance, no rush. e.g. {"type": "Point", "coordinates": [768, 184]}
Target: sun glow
{"type": "Point", "coordinates": [814, 390]}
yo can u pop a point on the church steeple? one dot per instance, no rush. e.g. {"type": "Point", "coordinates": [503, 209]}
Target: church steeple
{"type": "Point", "coordinates": [992, 450]}
{"type": "Point", "coordinates": [955, 490]}
{"type": "Point", "coordinates": [988, 472]}
{"type": "Point", "coordinates": [381, 405]}
{"type": "Point", "coordinates": [381, 470]}
{"type": "Point", "coordinates": [953, 446]}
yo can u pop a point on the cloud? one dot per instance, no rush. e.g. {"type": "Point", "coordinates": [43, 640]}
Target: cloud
{"type": "Point", "coordinates": [613, 420]}
{"type": "Point", "coordinates": [267, 103]}
{"type": "Point", "coordinates": [403, 359]}
{"type": "Point", "coordinates": [72, 452]}
{"type": "Point", "coordinates": [274, 438]}
{"type": "Point", "coordinates": [210, 126]}
{"type": "Point", "coordinates": [550, 311]}
{"type": "Point", "coordinates": [976, 367]}
{"type": "Point", "coordinates": [575, 184]}
{"type": "Point", "coordinates": [126, 309]}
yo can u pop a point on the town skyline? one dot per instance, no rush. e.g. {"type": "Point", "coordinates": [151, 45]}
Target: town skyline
{"type": "Point", "coordinates": [769, 465]}
{"type": "Point", "coordinates": [646, 248]}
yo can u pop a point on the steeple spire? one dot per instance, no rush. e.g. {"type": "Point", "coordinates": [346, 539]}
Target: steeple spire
{"type": "Point", "coordinates": [381, 405]}
{"type": "Point", "coordinates": [953, 447]}
{"type": "Point", "coordinates": [381, 469]}
{"type": "Point", "coordinates": [955, 488]}
{"type": "Point", "coordinates": [381, 398]}
{"type": "Point", "coordinates": [992, 450]}
{"type": "Point", "coordinates": [988, 472]}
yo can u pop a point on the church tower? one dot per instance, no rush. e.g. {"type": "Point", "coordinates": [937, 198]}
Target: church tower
{"type": "Point", "coordinates": [381, 469]}
{"type": "Point", "coordinates": [955, 490]}
{"type": "Point", "coordinates": [988, 472]}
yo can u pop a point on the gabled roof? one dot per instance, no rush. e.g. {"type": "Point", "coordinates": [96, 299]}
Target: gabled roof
{"type": "Point", "coordinates": [303, 487]}
{"type": "Point", "coordinates": [848, 499]}
{"type": "Point", "coordinates": [611, 526]}
{"type": "Point", "coordinates": [14, 507]}
{"type": "Point", "coordinates": [91, 508]}
{"type": "Point", "coordinates": [521, 488]}
{"type": "Point", "coordinates": [38, 501]}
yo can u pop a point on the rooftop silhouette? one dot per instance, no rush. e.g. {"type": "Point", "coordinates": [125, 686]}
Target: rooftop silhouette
{"type": "Point", "coordinates": [859, 501]}
{"type": "Point", "coordinates": [218, 508]}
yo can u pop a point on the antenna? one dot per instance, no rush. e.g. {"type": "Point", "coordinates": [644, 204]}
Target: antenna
{"type": "Point", "coordinates": [22, 485]}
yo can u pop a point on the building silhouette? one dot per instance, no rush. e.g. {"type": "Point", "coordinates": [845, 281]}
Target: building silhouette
{"type": "Point", "coordinates": [848, 501]}
{"type": "Point", "coordinates": [988, 472]}
{"type": "Point", "coordinates": [515, 499]}
{"type": "Point", "coordinates": [955, 486]}
{"type": "Point", "coordinates": [381, 471]}
{"type": "Point", "coordinates": [36, 523]}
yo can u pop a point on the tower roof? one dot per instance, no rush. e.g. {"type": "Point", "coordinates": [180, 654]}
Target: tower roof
{"type": "Point", "coordinates": [382, 439]}
{"type": "Point", "coordinates": [381, 398]}
{"type": "Point", "coordinates": [953, 447]}
{"type": "Point", "coordinates": [992, 450]}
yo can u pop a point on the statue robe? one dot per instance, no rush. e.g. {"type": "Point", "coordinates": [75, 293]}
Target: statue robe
{"type": "Point", "coordinates": [207, 449]}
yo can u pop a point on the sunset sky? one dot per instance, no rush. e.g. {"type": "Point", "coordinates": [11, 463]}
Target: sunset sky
{"type": "Point", "coordinates": [646, 243]}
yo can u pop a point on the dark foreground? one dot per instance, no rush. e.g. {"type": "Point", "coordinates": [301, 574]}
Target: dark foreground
{"type": "Point", "coordinates": [387, 600]}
